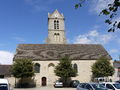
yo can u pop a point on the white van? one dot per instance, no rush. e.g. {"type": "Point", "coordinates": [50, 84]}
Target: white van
{"type": "Point", "coordinates": [4, 84]}
{"type": "Point", "coordinates": [111, 85]}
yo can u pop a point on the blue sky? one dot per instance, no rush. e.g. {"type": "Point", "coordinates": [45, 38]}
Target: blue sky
{"type": "Point", "coordinates": [25, 21]}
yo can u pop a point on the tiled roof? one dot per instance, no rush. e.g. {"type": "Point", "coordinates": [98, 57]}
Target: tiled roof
{"type": "Point", "coordinates": [57, 51]}
{"type": "Point", "coordinates": [5, 70]}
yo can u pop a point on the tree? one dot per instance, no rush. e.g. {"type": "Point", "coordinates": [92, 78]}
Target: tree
{"type": "Point", "coordinates": [22, 68]}
{"type": "Point", "coordinates": [102, 68]}
{"type": "Point", "coordinates": [65, 70]}
{"type": "Point", "coordinates": [111, 11]}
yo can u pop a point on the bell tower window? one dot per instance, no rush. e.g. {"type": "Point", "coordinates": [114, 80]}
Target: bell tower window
{"type": "Point", "coordinates": [56, 24]}
{"type": "Point", "coordinates": [57, 37]}
{"type": "Point", "coordinates": [56, 28]}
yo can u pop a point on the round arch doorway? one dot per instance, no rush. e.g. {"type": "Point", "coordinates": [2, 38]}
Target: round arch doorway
{"type": "Point", "coordinates": [44, 79]}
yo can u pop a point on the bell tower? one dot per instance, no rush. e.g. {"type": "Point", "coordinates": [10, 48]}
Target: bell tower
{"type": "Point", "coordinates": [56, 28]}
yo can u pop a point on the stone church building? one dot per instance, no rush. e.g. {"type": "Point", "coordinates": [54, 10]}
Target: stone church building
{"type": "Point", "coordinates": [46, 56]}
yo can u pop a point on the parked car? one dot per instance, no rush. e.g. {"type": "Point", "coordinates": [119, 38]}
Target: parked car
{"type": "Point", "coordinates": [100, 79]}
{"type": "Point", "coordinates": [58, 84]}
{"type": "Point", "coordinates": [4, 84]}
{"type": "Point", "coordinates": [81, 86]}
{"type": "Point", "coordinates": [118, 81]}
{"type": "Point", "coordinates": [74, 83]}
{"type": "Point", "coordinates": [111, 85]}
{"type": "Point", "coordinates": [91, 86]}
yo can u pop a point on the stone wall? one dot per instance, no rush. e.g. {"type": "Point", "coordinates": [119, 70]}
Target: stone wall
{"type": "Point", "coordinates": [84, 71]}
{"type": "Point", "coordinates": [47, 70]}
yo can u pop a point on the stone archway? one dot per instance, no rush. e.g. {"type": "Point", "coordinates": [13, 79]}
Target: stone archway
{"type": "Point", "coordinates": [51, 69]}
{"type": "Point", "coordinates": [44, 81]}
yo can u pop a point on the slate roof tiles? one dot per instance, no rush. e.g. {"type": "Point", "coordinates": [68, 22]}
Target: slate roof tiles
{"type": "Point", "coordinates": [57, 51]}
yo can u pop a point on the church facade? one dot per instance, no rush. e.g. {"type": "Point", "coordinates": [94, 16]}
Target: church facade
{"type": "Point", "coordinates": [46, 56]}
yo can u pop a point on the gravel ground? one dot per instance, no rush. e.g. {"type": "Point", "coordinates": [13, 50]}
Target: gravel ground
{"type": "Point", "coordinates": [45, 88]}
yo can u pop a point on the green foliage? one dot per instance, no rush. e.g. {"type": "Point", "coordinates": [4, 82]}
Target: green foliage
{"type": "Point", "coordinates": [102, 68]}
{"type": "Point", "coordinates": [105, 12]}
{"type": "Point", "coordinates": [108, 21]}
{"type": "Point", "coordinates": [64, 69]}
{"type": "Point", "coordinates": [22, 68]}
{"type": "Point", "coordinates": [111, 11]}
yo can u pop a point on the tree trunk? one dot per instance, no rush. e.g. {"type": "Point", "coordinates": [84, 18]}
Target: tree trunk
{"type": "Point", "coordinates": [21, 82]}
{"type": "Point", "coordinates": [65, 82]}
{"type": "Point", "coordinates": [15, 82]}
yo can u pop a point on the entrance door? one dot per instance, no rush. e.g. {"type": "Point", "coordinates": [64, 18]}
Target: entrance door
{"type": "Point", "coordinates": [43, 81]}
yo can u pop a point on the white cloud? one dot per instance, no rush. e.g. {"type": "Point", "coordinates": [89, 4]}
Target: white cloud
{"type": "Point", "coordinates": [94, 33]}
{"type": "Point", "coordinates": [19, 39]}
{"type": "Point", "coordinates": [117, 19]}
{"type": "Point", "coordinates": [105, 38]}
{"type": "Point", "coordinates": [114, 51]}
{"type": "Point", "coordinates": [6, 57]}
{"type": "Point", "coordinates": [98, 5]}
{"type": "Point", "coordinates": [82, 39]}
{"type": "Point", "coordinates": [94, 37]}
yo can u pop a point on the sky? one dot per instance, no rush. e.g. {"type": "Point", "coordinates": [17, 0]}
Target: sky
{"type": "Point", "coordinates": [25, 22]}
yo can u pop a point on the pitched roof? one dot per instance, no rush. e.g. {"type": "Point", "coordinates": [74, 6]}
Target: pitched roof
{"type": "Point", "coordinates": [5, 70]}
{"type": "Point", "coordinates": [57, 51]}
{"type": "Point", "coordinates": [60, 15]}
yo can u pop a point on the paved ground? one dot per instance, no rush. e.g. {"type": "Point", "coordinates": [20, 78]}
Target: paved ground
{"type": "Point", "coordinates": [46, 88]}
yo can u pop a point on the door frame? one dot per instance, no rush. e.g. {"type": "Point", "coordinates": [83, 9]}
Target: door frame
{"type": "Point", "coordinates": [43, 81]}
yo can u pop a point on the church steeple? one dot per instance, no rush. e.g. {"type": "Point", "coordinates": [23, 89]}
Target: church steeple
{"type": "Point", "coordinates": [56, 28]}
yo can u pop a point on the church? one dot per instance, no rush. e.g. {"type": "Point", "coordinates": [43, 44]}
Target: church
{"type": "Point", "coordinates": [46, 56]}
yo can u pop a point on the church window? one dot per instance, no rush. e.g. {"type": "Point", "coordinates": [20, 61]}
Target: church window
{"type": "Point", "coordinates": [75, 67]}
{"type": "Point", "coordinates": [55, 36]}
{"type": "Point", "coordinates": [58, 34]}
{"type": "Point", "coordinates": [37, 68]}
{"type": "Point", "coordinates": [55, 24]}
{"type": "Point", "coordinates": [58, 37]}
{"type": "Point", "coordinates": [51, 64]}
{"type": "Point", "coordinates": [55, 33]}
{"type": "Point", "coordinates": [51, 68]}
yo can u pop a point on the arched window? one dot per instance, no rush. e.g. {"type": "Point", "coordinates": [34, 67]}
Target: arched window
{"type": "Point", "coordinates": [51, 64]}
{"type": "Point", "coordinates": [51, 68]}
{"type": "Point", "coordinates": [57, 37]}
{"type": "Point", "coordinates": [57, 34]}
{"type": "Point", "coordinates": [75, 67]}
{"type": "Point", "coordinates": [55, 24]}
{"type": "Point", "coordinates": [37, 68]}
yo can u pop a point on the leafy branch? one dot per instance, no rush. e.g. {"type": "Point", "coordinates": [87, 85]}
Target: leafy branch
{"type": "Point", "coordinates": [111, 11]}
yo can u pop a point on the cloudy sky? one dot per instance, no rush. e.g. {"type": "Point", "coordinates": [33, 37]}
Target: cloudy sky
{"type": "Point", "coordinates": [25, 21]}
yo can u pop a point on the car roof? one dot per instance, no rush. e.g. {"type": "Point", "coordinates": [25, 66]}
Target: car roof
{"type": "Point", "coordinates": [108, 82]}
{"type": "Point", "coordinates": [3, 81]}
{"type": "Point", "coordinates": [93, 83]}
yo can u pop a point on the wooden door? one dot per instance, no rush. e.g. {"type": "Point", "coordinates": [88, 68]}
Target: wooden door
{"type": "Point", "coordinates": [43, 81]}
